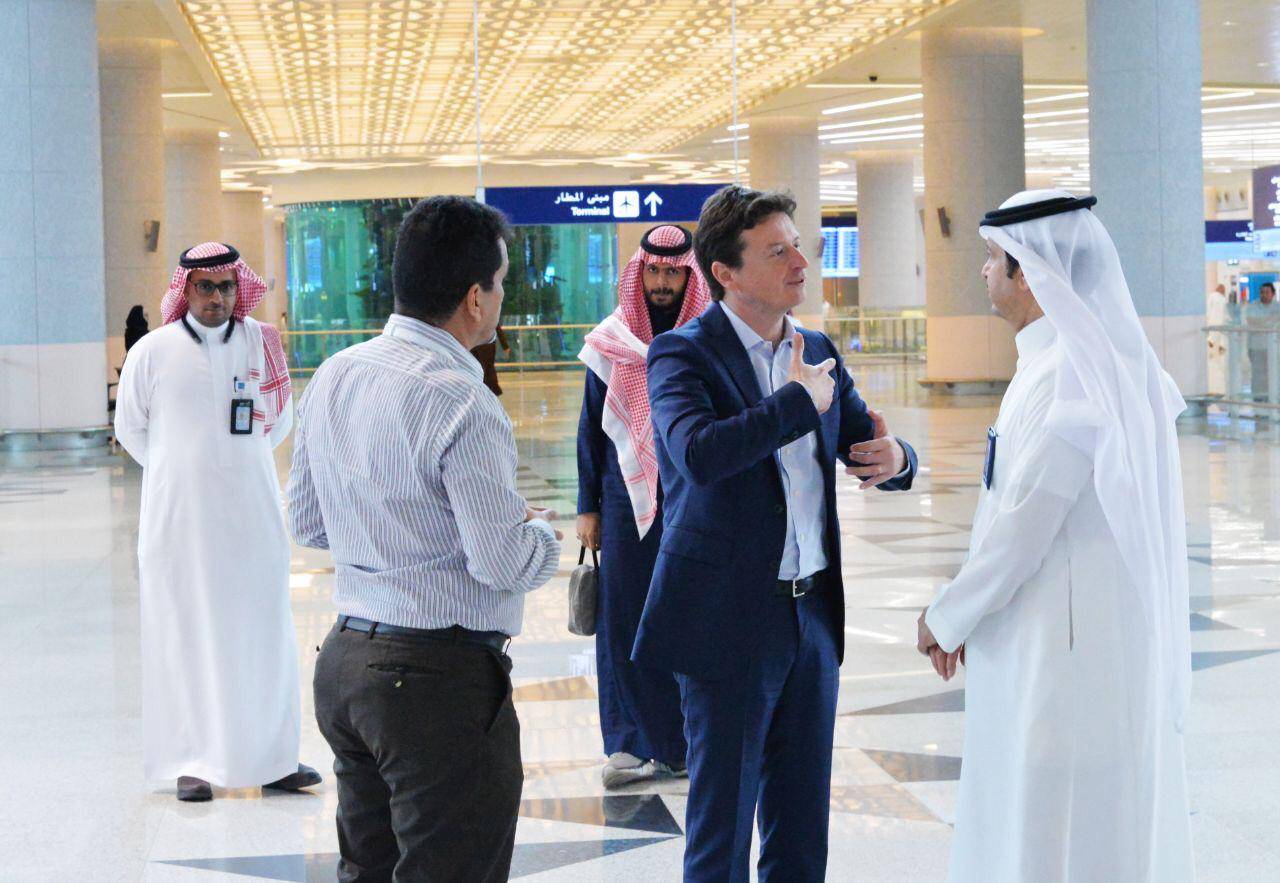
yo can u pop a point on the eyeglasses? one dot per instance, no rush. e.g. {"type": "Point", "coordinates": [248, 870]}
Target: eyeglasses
{"type": "Point", "coordinates": [206, 288]}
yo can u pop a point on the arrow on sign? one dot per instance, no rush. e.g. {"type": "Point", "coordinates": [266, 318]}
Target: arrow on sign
{"type": "Point", "coordinates": [653, 200]}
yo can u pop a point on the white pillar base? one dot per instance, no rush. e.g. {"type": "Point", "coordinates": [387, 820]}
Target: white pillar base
{"type": "Point", "coordinates": [53, 387]}
{"type": "Point", "coordinates": [1180, 345]}
{"type": "Point", "coordinates": [968, 350]}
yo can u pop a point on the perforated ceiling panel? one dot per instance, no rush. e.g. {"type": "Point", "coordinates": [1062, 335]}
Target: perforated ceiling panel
{"type": "Point", "coordinates": [393, 78]}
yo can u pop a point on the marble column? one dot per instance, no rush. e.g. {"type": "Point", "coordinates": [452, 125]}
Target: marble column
{"type": "Point", "coordinates": [888, 272]}
{"type": "Point", "coordinates": [784, 156]}
{"type": "Point", "coordinates": [192, 190]}
{"type": "Point", "coordinates": [1144, 79]}
{"type": "Point", "coordinates": [274, 268]}
{"type": "Point", "coordinates": [137, 269]}
{"type": "Point", "coordinates": [973, 160]}
{"type": "Point", "coordinates": [53, 380]}
{"type": "Point", "coordinates": [242, 219]}
{"type": "Point", "coordinates": [243, 225]}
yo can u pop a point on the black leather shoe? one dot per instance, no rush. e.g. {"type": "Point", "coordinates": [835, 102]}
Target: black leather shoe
{"type": "Point", "coordinates": [194, 790]}
{"type": "Point", "coordinates": [305, 777]}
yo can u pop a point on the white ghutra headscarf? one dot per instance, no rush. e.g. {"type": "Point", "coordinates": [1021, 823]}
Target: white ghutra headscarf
{"type": "Point", "coordinates": [1114, 402]}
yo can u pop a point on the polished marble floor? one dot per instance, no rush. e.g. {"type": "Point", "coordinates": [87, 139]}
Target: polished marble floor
{"type": "Point", "coordinates": [74, 805]}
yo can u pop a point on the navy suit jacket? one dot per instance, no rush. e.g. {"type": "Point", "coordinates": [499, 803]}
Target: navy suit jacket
{"type": "Point", "coordinates": [725, 513]}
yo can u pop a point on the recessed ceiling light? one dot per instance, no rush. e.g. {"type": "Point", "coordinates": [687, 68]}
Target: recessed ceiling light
{"type": "Point", "coordinates": [847, 108]}
{"type": "Point", "coordinates": [1065, 97]}
{"type": "Point", "coordinates": [829, 127]}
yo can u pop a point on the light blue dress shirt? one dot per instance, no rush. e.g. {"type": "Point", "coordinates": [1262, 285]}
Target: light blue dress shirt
{"type": "Point", "coordinates": [804, 553]}
{"type": "Point", "coordinates": [404, 467]}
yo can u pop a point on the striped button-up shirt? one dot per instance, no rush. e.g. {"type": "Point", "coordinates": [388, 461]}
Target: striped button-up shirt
{"type": "Point", "coordinates": [404, 467]}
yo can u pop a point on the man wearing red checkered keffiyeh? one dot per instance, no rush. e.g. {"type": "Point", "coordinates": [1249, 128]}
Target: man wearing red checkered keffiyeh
{"type": "Point", "coordinates": [202, 402]}
{"type": "Point", "coordinates": [272, 375]}
{"type": "Point", "coordinates": [619, 500]}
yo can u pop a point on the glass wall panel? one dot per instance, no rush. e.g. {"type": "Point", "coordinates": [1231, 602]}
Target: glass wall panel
{"type": "Point", "coordinates": [338, 261]}
{"type": "Point", "coordinates": [561, 281]}
{"type": "Point", "coordinates": [561, 275]}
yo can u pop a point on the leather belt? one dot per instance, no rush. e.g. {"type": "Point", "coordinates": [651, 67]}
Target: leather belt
{"type": "Point", "coordinates": [798, 588]}
{"type": "Point", "coordinates": [498, 641]}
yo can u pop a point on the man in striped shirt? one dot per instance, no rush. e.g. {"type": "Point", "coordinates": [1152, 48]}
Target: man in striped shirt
{"type": "Point", "coordinates": [404, 468]}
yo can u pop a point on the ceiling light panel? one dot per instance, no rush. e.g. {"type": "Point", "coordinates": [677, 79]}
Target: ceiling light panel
{"type": "Point", "coordinates": [333, 79]}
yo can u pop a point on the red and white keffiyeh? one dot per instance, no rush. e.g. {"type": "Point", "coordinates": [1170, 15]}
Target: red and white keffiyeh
{"type": "Point", "coordinates": [275, 387]}
{"type": "Point", "coordinates": [617, 349]}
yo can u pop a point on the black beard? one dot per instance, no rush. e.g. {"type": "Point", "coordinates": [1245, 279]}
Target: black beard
{"type": "Point", "coordinates": [662, 292]}
{"type": "Point", "coordinates": [663, 319]}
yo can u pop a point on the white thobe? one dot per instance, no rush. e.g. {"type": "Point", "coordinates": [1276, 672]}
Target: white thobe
{"type": "Point", "coordinates": [1216, 314]}
{"type": "Point", "coordinates": [1072, 770]}
{"type": "Point", "coordinates": [219, 659]}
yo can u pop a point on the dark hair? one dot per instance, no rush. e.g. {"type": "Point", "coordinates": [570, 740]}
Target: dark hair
{"type": "Point", "coordinates": [1270, 285]}
{"type": "Point", "coordinates": [445, 245]}
{"type": "Point", "coordinates": [725, 214]}
{"type": "Point", "coordinates": [1011, 265]}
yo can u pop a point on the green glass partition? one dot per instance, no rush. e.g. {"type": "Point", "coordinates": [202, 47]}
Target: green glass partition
{"type": "Point", "coordinates": [338, 256]}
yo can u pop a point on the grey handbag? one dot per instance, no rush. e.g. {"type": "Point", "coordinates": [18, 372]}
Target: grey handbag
{"type": "Point", "coordinates": [584, 594]}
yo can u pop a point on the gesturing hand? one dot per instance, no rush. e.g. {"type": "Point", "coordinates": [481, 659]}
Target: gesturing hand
{"type": "Point", "coordinates": [816, 379]}
{"type": "Point", "coordinates": [882, 458]}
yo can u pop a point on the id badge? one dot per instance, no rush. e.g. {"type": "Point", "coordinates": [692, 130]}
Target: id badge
{"type": "Point", "coordinates": [242, 416]}
{"type": "Point", "coordinates": [989, 469]}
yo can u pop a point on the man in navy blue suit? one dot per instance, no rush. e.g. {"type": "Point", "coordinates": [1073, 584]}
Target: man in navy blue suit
{"type": "Point", "coordinates": [746, 605]}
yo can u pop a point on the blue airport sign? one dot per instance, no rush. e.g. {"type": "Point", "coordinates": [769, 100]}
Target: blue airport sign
{"type": "Point", "coordinates": [622, 204]}
{"type": "Point", "coordinates": [1233, 232]}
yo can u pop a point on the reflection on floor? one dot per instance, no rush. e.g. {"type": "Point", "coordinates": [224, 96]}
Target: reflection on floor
{"type": "Point", "coordinates": [76, 807]}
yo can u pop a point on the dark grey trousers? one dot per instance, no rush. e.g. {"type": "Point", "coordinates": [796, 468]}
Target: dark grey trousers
{"type": "Point", "coordinates": [426, 755]}
{"type": "Point", "coordinates": [1259, 376]}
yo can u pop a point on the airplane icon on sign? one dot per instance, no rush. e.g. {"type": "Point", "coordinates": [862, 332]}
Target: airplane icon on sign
{"type": "Point", "coordinates": [626, 203]}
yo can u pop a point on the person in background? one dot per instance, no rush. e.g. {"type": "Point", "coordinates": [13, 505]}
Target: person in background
{"type": "Point", "coordinates": [1262, 315]}
{"type": "Point", "coordinates": [202, 403]}
{"type": "Point", "coordinates": [1215, 313]}
{"type": "Point", "coordinates": [620, 501]}
{"type": "Point", "coordinates": [135, 326]}
{"type": "Point", "coordinates": [487, 355]}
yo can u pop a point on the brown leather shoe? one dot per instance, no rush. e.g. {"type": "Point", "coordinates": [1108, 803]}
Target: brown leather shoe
{"type": "Point", "coordinates": [305, 777]}
{"type": "Point", "coordinates": [194, 790]}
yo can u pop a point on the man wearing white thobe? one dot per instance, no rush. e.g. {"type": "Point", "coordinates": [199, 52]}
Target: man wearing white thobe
{"type": "Point", "coordinates": [1071, 610]}
{"type": "Point", "coordinates": [1215, 314]}
{"type": "Point", "coordinates": [202, 402]}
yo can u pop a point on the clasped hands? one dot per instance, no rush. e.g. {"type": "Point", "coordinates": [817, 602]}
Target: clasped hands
{"type": "Point", "coordinates": [879, 459]}
{"type": "Point", "coordinates": [944, 663]}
